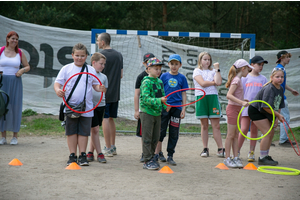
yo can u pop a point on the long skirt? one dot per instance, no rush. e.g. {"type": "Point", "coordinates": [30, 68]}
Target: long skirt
{"type": "Point", "coordinates": [13, 86]}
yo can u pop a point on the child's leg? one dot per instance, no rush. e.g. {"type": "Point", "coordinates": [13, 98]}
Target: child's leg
{"type": "Point", "coordinates": [72, 141]}
{"type": "Point", "coordinates": [253, 132]}
{"type": "Point", "coordinates": [204, 131]}
{"type": "Point", "coordinates": [163, 129]}
{"type": "Point", "coordinates": [264, 125]}
{"type": "Point", "coordinates": [231, 131]}
{"type": "Point", "coordinates": [215, 123]}
{"type": "Point", "coordinates": [174, 127]}
{"type": "Point", "coordinates": [82, 143]}
{"type": "Point", "coordinates": [147, 123]}
{"type": "Point", "coordinates": [95, 141]}
{"type": "Point", "coordinates": [155, 133]}
{"type": "Point", "coordinates": [245, 123]}
{"type": "Point", "coordinates": [106, 132]}
{"type": "Point", "coordinates": [235, 143]}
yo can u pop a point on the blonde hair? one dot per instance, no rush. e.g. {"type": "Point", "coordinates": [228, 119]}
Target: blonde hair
{"type": "Point", "coordinates": [233, 71]}
{"type": "Point", "coordinates": [97, 56]}
{"type": "Point", "coordinates": [80, 47]}
{"type": "Point", "coordinates": [275, 70]}
{"type": "Point", "coordinates": [200, 58]}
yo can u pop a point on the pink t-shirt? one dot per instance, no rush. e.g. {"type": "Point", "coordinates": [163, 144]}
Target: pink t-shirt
{"type": "Point", "coordinates": [239, 92]}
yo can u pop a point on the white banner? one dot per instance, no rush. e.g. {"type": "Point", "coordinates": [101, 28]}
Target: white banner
{"type": "Point", "coordinates": [48, 49]}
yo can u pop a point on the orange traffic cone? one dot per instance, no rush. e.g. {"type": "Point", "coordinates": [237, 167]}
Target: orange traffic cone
{"type": "Point", "coordinates": [250, 166]}
{"type": "Point", "coordinates": [221, 166]}
{"type": "Point", "coordinates": [15, 162]}
{"type": "Point", "coordinates": [166, 170]}
{"type": "Point", "coordinates": [73, 166]}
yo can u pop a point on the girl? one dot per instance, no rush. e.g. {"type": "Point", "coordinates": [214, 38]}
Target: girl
{"type": "Point", "coordinates": [10, 61]}
{"type": "Point", "coordinates": [261, 114]}
{"type": "Point", "coordinates": [235, 97]}
{"type": "Point", "coordinates": [207, 79]}
{"type": "Point", "coordinates": [252, 84]}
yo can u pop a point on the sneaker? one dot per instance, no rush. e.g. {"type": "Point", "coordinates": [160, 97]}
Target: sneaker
{"type": "Point", "coordinates": [161, 157]}
{"type": "Point", "coordinates": [142, 158]}
{"type": "Point", "coordinates": [14, 141]}
{"type": "Point", "coordinates": [72, 158]}
{"type": "Point", "coordinates": [287, 143]}
{"type": "Point", "coordinates": [108, 152]}
{"type": "Point", "coordinates": [221, 153]}
{"type": "Point", "coordinates": [151, 165]}
{"type": "Point", "coordinates": [82, 161]}
{"type": "Point", "coordinates": [101, 158]}
{"type": "Point", "coordinates": [238, 162]}
{"type": "Point", "coordinates": [114, 150]}
{"type": "Point", "coordinates": [251, 157]}
{"type": "Point", "coordinates": [3, 141]}
{"type": "Point", "coordinates": [171, 161]}
{"type": "Point", "coordinates": [204, 153]}
{"type": "Point", "coordinates": [90, 157]}
{"type": "Point", "coordinates": [267, 160]}
{"type": "Point", "coordinates": [229, 163]}
{"type": "Point", "coordinates": [155, 159]}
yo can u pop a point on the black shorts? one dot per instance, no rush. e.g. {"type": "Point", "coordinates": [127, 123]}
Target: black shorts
{"type": "Point", "coordinates": [256, 115]}
{"type": "Point", "coordinates": [80, 126]}
{"type": "Point", "coordinates": [111, 110]}
{"type": "Point", "coordinates": [98, 116]}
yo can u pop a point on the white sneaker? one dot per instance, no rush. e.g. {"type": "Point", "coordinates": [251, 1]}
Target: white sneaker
{"type": "Point", "coordinates": [238, 162]}
{"type": "Point", "coordinates": [251, 157]}
{"type": "Point", "coordinates": [108, 152]}
{"type": "Point", "coordinates": [229, 163]}
{"type": "Point", "coordinates": [14, 141]}
{"type": "Point", "coordinates": [3, 141]}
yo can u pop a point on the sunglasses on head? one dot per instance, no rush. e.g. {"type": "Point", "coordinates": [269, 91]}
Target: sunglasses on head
{"type": "Point", "coordinates": [277, 69]}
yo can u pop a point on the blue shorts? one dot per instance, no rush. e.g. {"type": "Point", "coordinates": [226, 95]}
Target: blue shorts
{"type": "Point", "coordinates": [111, 110]}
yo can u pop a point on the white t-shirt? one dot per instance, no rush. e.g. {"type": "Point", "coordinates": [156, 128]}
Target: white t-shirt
{"type": "Point", "coordinates": [207, 75]}
{"type": "Point", "coordinates": [77, 97]}
{"type": "Point", "coordinates": [97, 95]}
{"type": "Point", "coordinates": [10, 66]}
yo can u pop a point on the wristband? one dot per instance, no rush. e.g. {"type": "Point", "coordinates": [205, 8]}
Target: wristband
{"type": "Point", "coordinates": [217, 70]}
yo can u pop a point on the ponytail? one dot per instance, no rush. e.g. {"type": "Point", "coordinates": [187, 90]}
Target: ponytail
{"type": "Point", "coordinates": [231, 74]}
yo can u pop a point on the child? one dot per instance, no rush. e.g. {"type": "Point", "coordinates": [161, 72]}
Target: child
{"type": "Point", "coordinates": [137, 92]}
{"type": "Point", "coordinates": [284, 59]}
{"type": "Point", "coordinates": [261, 114]}
{"type": "Point", "coordinates": [78, 129]}
{"type": "Point", "coordinates": [251, 85]}
{"type": "Point", "coordinates": [172, 81]}
{"type": "Point", "coordinates": [207, 79]}
{"type": "Point", "coordinates": [151, 103]}
{"type": "Point", "coordinates": [98, 62]}
{"type": "Point", "coordinates": [235, 97]}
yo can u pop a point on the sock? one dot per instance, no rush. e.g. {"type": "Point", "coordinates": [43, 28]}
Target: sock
{"type": "Point", "coordinates": [264, 154]}
{"type": "Point", "coordinates": [90, 152]}
{"type": "Point", "coordinates": [112, 146]}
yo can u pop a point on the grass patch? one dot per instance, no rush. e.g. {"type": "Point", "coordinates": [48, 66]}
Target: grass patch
{"type": "Point", "coordinates": [44, 124]}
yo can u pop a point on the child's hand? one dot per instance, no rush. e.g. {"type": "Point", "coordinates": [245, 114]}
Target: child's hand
{"type": "Point", "coordinates": [245, 104]}
{"type": "Point", "coordinates": [102, 88]}
{"type": "Point", "coordinates": [295, 93]}
{"type": "Point", "coordinates": [60, 93]}
{"type": "Point", "coordinates": [168, 108]}
{"type": "Point", "coordinates": [163, 99]}
{"type": "Point", "coordinates": [280, 118]}
{"type": "Point", "coordinates": [137, 115]}
{"type": "Point", "coordinates": [216, 65]}
{"type": "Point", "coordinates": [182, 114]}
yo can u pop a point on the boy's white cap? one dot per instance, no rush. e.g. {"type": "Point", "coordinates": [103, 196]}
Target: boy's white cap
{"type": "Point", "coordinates": [241, 63]}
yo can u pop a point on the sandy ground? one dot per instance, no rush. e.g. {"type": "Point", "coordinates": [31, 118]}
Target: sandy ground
{"type": "Point", "coordinates": [43, 174]}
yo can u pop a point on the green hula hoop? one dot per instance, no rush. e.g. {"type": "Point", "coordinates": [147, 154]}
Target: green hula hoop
{"type": "Point", "coordinates": [294, 172]}
{"type": "Point", "coordinates": [238, 121]}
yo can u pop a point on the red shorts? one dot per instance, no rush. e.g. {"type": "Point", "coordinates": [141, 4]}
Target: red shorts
{"type": "Point", "coordinates": [232, 112]}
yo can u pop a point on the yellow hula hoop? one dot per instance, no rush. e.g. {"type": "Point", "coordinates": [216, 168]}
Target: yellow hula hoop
{"type": "Point", "coordinates": [294, 172]}
{"type": "Point", "coordinates": [238, 121]}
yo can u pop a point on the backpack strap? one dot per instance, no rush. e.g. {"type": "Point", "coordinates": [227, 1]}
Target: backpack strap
{"type": "Point", "coordinates": [20, 52]}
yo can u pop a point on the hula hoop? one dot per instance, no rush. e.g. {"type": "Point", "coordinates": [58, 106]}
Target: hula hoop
{"type": "Point", "coordinates": [238, 120]}
{"type": "Point", "coordinates": [298, 153]}
{"type": "Point", "coordinates": [185, 90]}
{"type": "Point", "coordinates": [81, 112]}
{"type": "Point", "coordinates": [294, 172]}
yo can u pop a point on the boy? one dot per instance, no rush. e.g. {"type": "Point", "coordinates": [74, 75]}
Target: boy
{"type": "Point", "coordinates": [172, 80]}
{"type": "Point", "coordinates": [151, 103]}
{"type": "Point", "coordinates": [137, 92]}
{"type": "Point", "coordinates": [78, 129]}
{"type": "Point", "coordinates": [284, 59]}
{"type": "Point", "coordinates": [98, 61]}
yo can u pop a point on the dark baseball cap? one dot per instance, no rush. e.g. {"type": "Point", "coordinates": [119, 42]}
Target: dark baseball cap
{"type": "Point", "coordinates": [280, 54]}
{"type": "Point", "coordinates": [258, 59]}
{"type": "Point", "coordinates": [147, 56]}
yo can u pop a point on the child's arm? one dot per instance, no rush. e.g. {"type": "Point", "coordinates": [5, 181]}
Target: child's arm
{"type": "Point", "coordinates": [182, 114]}
{"type": "Point", "coordinates": [202, 82]}
{"type": "Point", "coordinates": [59, 92]}
{"type": "Point", "coordinates": [230, 96]}
{"type": "Point", "coordinates": [294, 92]}
{"type": "Point", "coordinates": [99, 88]}
{"type": "Point", "coordinates": [136, 103]}
{"type": "Point", "coordinates": [217, 77]}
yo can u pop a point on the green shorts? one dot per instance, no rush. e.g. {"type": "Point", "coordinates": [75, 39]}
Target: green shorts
{"type": "Point", "coordinates": [208, 107]}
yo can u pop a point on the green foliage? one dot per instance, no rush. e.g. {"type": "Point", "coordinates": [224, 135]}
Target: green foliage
{"type": "Point", "coordinates": [28, 112]}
